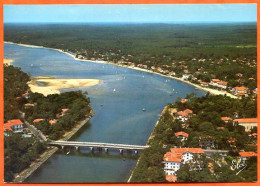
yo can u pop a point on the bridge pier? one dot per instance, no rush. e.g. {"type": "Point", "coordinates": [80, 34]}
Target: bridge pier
{"type": "Point", "coordinates": [136, 152]}
{"type": "Point", "coordinates": [121, 151]}
{"type": "Point", "coordinates": [99, 148]}
{"type": "Point", "coordinates": [91, 149]}
{"type": "Point", "coordinates": [76, 148]}
{"type": "Point", "coordinates": [62, 147]}
{"type": "Point", "coordinates": [106, 149]}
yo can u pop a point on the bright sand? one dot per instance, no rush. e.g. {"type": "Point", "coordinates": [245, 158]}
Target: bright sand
{"type": "Point", "coordinates": [53, 86]}
{"type": "Point", "coordinates": [210, 90]}
{"type": "Point", "coordinates": [8, 61]}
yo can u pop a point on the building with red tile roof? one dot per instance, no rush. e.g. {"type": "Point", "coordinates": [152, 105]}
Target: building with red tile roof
{"type": "Point", "coordinates": [184, 115]}
{"type": "Point", "coordinates": [52, 122]}
{"type": "Point", "coordinates": [171, 178]}
{"type": "Point", "coordinates": [246, 155]}
{"type": "Point", "coordinates": [173, 160]}
{"type": "Point", "coordinates": [15, 125]}
{"type": "Point", "coordinates": [226, 119]}
{"type": "Point", "coordinates": [239, 90]}
{"type": "Point", "coordinates": [248, 123]}
{"type": "Point", "coordinates": [37, 120]}
{"type": "Point", "coordinates": [29, 105]}
{"type": "Point", "coordinates": [182, 135]}
{"type": "Point", "coordinates": [184, 100]}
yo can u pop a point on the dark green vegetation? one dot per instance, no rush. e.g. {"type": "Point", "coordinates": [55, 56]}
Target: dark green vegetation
{"type": "Point", "coordinates": [14, 87]}
{"type": "Point", "coordinates": [19, 153]}
{"type": "Point", "coordinates": [206, 50]}
{"type": "Point", "coordinates": [48, 108]}
{"type": "Point", "coordinates": [207, 122]}
{"type": "Point", "coordinates": [143, 41]}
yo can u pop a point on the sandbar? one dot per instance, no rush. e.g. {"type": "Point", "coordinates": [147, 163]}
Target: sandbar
{"type": "Point", "coordinates": [47, 85]}
{"type": "Point", "coordinates": [8, 61]}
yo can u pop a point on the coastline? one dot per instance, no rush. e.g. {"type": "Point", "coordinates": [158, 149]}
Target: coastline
{"type": "Point", "coordinates": [210, 90]}
{"type": "Point", "coordinates": [49, 152]}
{"type": "Point", "coordinates": [8, 61]}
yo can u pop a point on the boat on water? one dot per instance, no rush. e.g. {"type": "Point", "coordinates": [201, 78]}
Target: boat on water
{"type": "Point", "coordinates": [114, 90]}
{"type": "Point", "coordinates": [144, 109]}
{"type": "Point", "coordinates": [67, 153]}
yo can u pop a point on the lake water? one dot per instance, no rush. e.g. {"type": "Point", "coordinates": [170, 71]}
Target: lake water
{"type": "Point", "coordinates": [118, 114]}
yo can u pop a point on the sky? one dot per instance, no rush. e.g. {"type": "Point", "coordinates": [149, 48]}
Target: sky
{"type": "Point", "coordinates": [130, 13]}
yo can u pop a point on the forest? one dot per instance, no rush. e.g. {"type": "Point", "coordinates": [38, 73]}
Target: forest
{"type": "Point", "coordinates": [206, 121]}
{"type": "Point", "coordinates": [158, 43]}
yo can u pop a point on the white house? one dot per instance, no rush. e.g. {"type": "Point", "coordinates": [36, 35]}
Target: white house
{"type": "Point", "coordinates": [178, 156]}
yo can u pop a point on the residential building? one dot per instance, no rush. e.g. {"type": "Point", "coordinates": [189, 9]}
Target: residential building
{"type": "Point", "coordinates": [178, 156]}
{"type": "Point", "coordinates": [15, 125]}
{"type": "Point", "coordinates": [184, 115]}
{"type": "Point", "coordinates": [37, 120]}
{"type": "Point", "coordinates": [52, 122]}
{"type": "Point", "coordinates": [186, 76]}
{"type": "Point", "coordinates": [226, 119]}
{"type": "Point", "coordinates": [182, 135]}
{"type": "Point", "coordinates": [239, 90]}
{"type": "Point", "coordinates": [246, 155]}
{"type": "Point", "coordinates": [248, 123]}
{"type": "Point", "coordinates": [214, 82]}
{"type": "Point", "coordinates": [206, 142]}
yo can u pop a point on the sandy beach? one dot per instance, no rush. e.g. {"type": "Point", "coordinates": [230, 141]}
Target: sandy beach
{"type": "Point", "coordinates": [8, 61]}
{"type": "Point", "coordinates": [210, 90]}
{"type": "Point", "coordinates": [50, 85]}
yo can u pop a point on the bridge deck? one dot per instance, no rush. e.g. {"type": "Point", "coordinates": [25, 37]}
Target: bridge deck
{"type": "Point", "coordinates": [96, 144]}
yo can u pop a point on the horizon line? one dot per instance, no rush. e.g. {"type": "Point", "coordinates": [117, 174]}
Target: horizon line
{"type": "Point", "coordinates": [137, 22]}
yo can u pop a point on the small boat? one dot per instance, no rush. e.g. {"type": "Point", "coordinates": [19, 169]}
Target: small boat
{"type": "Point", "coordinates": [144, 109]}
{"type": "Point", "coordinates": [173, 89]}
{"type": "Point", "coordinates": [114, 90]}
{"type": "Point", "coordinates": [67, 153]}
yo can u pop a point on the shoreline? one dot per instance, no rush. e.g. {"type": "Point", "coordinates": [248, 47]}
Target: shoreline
{"type": "Point", "coordinates": [49, 152]}
{"type": "Point", "coordinates": [210, 90]}
{"type": "Point", "coordinates": [150, 137]}
{"type": "Point", "coordinates": [8, 61]}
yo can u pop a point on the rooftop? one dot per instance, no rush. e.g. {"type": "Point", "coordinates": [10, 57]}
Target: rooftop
{"type": "Point", "coordinates": [247, 154]}
{"type": "Point", "coordinates": [246, 120]}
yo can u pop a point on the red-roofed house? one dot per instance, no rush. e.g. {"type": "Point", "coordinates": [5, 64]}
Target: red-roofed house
{"type": "Point", "coordinates": [184, 100]}
{"type": "Point", "coordinates": [53, 121]}
{"type": "Point", "coordinates": [226, 119]}
{"type": "Point", "coordinates": [171, 178]}
{"type": "Point", "coordinates": [222, 84]}
{"type": "Point", "coordinates": [29, 105]}
{"type": "Point", "coordinates": [184, 115]}
{"type": "Point", "coordinates": [248, 123]}
{"type": "Point", "coordinates": [239, 90]}
{"type": "Point", "coordinates": [205, 84]}
{"type": "Point", "coordinates": [37, 120]}
{"type": "Point", "coordinates": [15, 125]}
{"type": "Point", "coordinates": [182, 135]}
{"type": "Point", "coordinates": [214, 82]}
{"type": "Point", "coordinates": [173, 160]}
{"type": "Point", "coordinates": [246, 155]}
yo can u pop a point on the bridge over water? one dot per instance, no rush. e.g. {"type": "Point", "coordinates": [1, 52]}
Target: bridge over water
{"type": "Point", "coordinates": [99, 146]}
